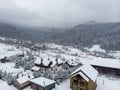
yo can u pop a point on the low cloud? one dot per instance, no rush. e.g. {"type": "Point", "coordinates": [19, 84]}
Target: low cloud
{"type": "Point", "coordinates": [58, 13]}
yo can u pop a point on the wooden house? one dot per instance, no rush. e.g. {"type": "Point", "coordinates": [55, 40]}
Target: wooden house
{"type": "Point", "coordinates": [23, 81]}
{"type": "Point", "coordinates": [42, 83]}
{"type": "Point", "coordinates": [84, 78]}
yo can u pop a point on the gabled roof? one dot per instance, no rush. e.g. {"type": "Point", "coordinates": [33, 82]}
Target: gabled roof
{"type": "Point", "coordinates": [23, 79]}
{"type": "Point", "coordinates": [88, 71]}
{"type": "Point", "coordinates": [26, 78]}
{"type": "Point", "coordinates": [82, 75]}
{"type": "Point", "coordinates": [47, 60]}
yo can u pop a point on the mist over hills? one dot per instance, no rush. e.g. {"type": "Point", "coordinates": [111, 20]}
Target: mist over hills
{"type": "Point", "coordinates": [10, 31]}
{"type": "Point", "coordinates": [26, 33]}
{"type": "Point", "coordinates": [84, 35]}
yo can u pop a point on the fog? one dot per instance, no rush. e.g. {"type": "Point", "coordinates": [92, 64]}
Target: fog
{"type": "Point", "coordinates": [58, 13]}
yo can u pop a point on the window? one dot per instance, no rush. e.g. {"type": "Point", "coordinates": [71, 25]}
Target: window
{"type": "Point", "coordinates": [82, 83]}
{"type": "Point", "coordinates": [56, 69]}
{"type": "Point", "coordinates": [78, 77]}
{"type": "Point", "coordinates": [34, 86]}
{"type": "Point", "coordinates": [40, 88]}
{"type": "Point", "coordinates": [75, 82]}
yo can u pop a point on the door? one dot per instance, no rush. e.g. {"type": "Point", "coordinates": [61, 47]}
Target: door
{"type": "Point", "coordinates": [81, 88]}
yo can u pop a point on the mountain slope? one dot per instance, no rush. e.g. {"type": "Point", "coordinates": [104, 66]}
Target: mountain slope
{"type": "Point", "coordinates": [10, 31]}
{"type": "Point", "coordinates": [26, 33]}
{"type": "Point", "coordinates": [84, 35]}
{"type": "Point", "coordinates": [105, 34]}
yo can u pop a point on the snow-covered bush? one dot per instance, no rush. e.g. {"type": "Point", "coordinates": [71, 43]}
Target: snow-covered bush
{"type": "Point", "coordinates": [37, 74]}
{"type": "Point", "coordinates": [9, 78]}
{"type": "Point", "coordinates": [48, 74]}
{"type": "Point", "coordinates": [65, 66]}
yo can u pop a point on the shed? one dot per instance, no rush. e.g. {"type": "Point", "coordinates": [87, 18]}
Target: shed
{"type": "Point", "coordinates": [22, 82]}
{"type": "Point", "coordinates": [42, 83]}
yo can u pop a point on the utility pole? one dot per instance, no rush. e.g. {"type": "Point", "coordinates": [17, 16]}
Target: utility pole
{"type": "Point", "coordinates": [103, 80]}
{"type": "Point", "coordinates": [44, 85]}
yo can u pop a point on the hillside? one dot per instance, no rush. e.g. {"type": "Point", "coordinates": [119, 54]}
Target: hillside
{"type": "Point", "coordinates": [26, 33]}
{"type": "Point", "coordinates": [85, 35]}
{"type": "Point", "coordinates": [11, 31]}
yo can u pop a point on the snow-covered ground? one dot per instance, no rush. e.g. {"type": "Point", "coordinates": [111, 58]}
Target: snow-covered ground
{"type": "Point", "coordinates": [8, 50]}
{"type": "Point", "coordinates": [115, 54]}
{"type": "Point", "coordinates": [108, 83]}
{"type": "Point", "coordinates": [67, 53]}
{"type": "Point", "coordinates": [9, 68]}
{"type": "Point", "coordinates": [103, 83]}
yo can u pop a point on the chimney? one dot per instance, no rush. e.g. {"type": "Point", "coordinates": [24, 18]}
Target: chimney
{"type": "Point", "coordinates": [56, 61]}
{"type": "Point", "coordinates": [29, 76]}
{"type": "Point", "coordinates": [41, 61]}
{"type": "Point", "coordinates": [50, 63]}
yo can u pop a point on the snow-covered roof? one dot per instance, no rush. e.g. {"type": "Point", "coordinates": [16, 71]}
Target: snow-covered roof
{"type": "Point", "coordinates": [82, 75]}
{"type": "Point", "coordinates": [72, 62]}
{"type": "Point", "coordinates": [86, 71]}
{"type": "Point", "coordinates": [103, 62]}
{"type": "Point", "coordinates": [86, 78]}
{"type": "Point", "coordinates": [35, 68]}
{"type": "Point", "coordinates": [47, 60]}
{"type": "Point", "coordinates": [23, 79]}
{"type": "Point", "coordinates": [107, 63]}
{"type": "Point", "coordinates": [42, 81]}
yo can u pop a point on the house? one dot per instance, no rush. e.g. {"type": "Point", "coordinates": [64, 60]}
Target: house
{"type": "Point", "coordinates": [50, 64]}
{"type": "Point", "coordinates": [23, 82]}
{"type": "Point", "coordinates": [72, 63]}
{"type": "Point", "coordinates": [42, 83]}
{"type": "Point", "coordinates": [84, 78]}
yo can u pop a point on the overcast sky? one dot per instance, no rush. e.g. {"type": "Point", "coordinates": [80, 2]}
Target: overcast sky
{"type": "Point", "coordinates": [58, 13]}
